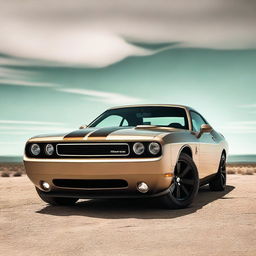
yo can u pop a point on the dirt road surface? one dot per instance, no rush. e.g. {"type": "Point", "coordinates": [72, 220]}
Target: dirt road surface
{"type": "Point", "coordinates": [218, 223]}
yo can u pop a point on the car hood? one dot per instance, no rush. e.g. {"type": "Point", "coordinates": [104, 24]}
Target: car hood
{"type": "Point", "coordinates": [110, 133]}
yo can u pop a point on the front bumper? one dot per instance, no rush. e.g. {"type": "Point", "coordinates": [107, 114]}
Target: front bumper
{"type": "Point", "coordinates": [100, 194]}
{"type": "Point", "coordinates": [152, 171]}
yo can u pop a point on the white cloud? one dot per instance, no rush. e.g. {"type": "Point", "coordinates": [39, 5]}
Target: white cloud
{"type": "Point", "coordinates": [242, 127]}
{"type": "Point", "coordinates": [12, 76]}
{"type": "Point", "coordinates": [108, 97]}
{"type": "Point", "coordinates": [87, 48]}
{"type": "Point", "coordinates": [35, 128]}
{"type": "Point", "coordinates": [248, 106]}
{"type": "Point", "coordinates": [9, 143]}
{"type": "Point", "coordinates": [26, 83]}
{"type": "Point", "coordinates": [91, 32]}
{"type": "Point", "coordinates": [29, 122]}
{"type": "Point", "coordinates": [13, 133]}
{"type": "Point", "coordinates": [10, 72]}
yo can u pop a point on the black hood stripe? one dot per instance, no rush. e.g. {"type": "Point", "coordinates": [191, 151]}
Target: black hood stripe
{"type": "Point", "coordinates": [79, 133]}
{"type": "Point", "coordinates": [104, 132]}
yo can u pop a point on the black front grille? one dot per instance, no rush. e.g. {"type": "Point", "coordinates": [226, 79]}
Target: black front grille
{"type": "Point", "coordinates": [83, 150]}
{"type": "Point", "coordinates": [93, 149]}
{"type": "Point", "coordinates": [90, 184]}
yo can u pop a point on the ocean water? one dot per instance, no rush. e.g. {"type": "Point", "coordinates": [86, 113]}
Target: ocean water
{"type": "Point", "coordinates": [10, 159]}
{"type": "Point", "coordinates": [242, 159]}
{"type": "Point", "coordinates": [231, 159]}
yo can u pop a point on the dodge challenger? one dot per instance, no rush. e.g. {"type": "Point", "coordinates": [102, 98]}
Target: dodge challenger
{"type": "Point", "coordinates": [141, 151]}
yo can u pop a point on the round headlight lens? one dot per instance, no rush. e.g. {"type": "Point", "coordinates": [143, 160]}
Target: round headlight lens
{"type": "Point", "coordinates": [49, 149]}
{"type": "Point", "coordinates": [138, 148]}
{"type": "Point", "coordinates": [35, 149]}
{"type": "Point", "coordinates": [154, 148]}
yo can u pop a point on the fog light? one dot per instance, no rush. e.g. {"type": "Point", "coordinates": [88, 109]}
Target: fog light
{"type": "Point", "coordinates": [142, 187]}
{"type": "Point", "coordinates": [45, 186]}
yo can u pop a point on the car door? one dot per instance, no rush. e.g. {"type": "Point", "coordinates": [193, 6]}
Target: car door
{"type": "Point", "coordinates": [208, 148]}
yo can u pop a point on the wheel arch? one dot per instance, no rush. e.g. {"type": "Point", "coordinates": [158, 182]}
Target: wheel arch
{"type": "Point", "coordinates": [224, 152]}
{"type": "Point", "coordinates": [186, 149]}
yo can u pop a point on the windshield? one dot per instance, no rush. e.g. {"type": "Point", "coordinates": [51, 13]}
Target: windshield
{"type": "Point", "coordinates": [158, 116]}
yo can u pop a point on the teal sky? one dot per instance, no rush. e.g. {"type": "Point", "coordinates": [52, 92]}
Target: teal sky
{"type": "Point", "coordinates": [219, 84]}
{"type": "Point", "coordinates": [65, 66]}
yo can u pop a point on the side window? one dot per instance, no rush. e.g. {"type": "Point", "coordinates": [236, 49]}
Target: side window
{"type": "Point", "coordinates": [197, 121]}
{"type": "Point", "coordinates": [124, 122]}
{"type": "Point", "coordinates": [113, 120]}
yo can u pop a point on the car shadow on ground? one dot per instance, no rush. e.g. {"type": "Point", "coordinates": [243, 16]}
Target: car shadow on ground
{"type": "Point", "coordinates": [134, 208]}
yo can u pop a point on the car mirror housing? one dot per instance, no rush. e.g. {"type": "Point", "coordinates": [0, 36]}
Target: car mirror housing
{"type": "Point", "coordinates": [205, 128]}
{"type": "Point", "coordinates": [83, 126]}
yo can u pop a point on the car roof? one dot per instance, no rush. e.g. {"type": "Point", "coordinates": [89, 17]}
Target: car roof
{"type": "Point", "coordinates": [153, 105]}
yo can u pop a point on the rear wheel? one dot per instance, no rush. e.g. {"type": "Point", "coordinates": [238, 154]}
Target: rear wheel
{"type": "Point", "coordinates": [185, 184]}
{"type": "Point", "coordinates": [218, 183]}
{"type": "Point", "coordinates": [56, 200]}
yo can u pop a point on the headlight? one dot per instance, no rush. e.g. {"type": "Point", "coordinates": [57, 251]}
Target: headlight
{"type": "Point", "coordinates": [138, 148]}
{"type": "Point", "coordinates": [154, 148]}
{"type": "Point", "coordinates": [49, 149]}
{"type": "Point", "coordinates": [35, 149]}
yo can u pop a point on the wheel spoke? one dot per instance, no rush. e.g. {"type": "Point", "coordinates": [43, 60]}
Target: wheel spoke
{"type": "Point", "coordinates": [185, 190]}
{"type": "Point", "coordinates": [186, 170]}
{"type": "Point", "coordinates": [178, 192]}
{"type": "Point", "coordinates": [172, 187]}
{"type": "Point", "coordinates": [223, 179]}
{"type": "Point", "coordinates": [187, 182]}
{"type": "Point", "coordinates": [178, 167]}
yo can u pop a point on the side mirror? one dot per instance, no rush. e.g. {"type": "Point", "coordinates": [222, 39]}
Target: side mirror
{"type": "Point", "coordinates": [205, 128]}
{"type": "Point", "coordinates": [83, 126]}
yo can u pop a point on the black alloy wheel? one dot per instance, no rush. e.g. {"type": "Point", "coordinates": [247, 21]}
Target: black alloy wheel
{"type": "Point", "coordinates": [185, 184]}
{"type": "Point", "coordinates": [218, 183]}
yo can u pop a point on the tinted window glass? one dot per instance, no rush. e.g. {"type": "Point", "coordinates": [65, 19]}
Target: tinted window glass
{"type": "Point", "coordinates": [197, 121]}
{"type": "Point", "coordinates": [133, 116]}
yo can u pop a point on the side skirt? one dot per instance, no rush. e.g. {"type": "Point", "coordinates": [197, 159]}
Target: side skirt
{"type": "Point", "coordinates": [207, 179]}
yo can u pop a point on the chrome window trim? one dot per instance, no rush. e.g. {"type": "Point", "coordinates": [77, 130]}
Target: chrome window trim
{"type": "Point", "coordinates": [65, 144]}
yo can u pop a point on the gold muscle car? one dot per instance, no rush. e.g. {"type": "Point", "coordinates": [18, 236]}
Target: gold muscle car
{"type": "Point", "coordinates": [163, 151]}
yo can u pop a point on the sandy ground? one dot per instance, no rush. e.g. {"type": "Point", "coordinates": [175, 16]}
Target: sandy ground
{"type": "Point", "coordinates": [218, 223]}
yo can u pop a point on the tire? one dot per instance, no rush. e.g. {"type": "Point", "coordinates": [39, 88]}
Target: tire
{"type": "Point", "coordinates": [218, 183]}
{"type": "Point", "coordinates": [56, 200]}
{"type": "Point", "coordinates": [184, 186]}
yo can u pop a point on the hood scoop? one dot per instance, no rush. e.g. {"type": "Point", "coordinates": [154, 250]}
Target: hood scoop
{"type": "Point", "coordinates": [156, 128]}
{"type": "Point", "coordinates": [146, 126]}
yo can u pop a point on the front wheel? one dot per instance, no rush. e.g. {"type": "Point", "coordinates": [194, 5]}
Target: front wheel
{"type": "Point", "coordinates": [185, 184]}
{"type": "Point", "coordinates": [56, 200]}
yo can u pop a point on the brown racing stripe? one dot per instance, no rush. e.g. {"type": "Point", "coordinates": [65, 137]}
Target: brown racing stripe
{"type": "Point", "coordinates": [79, 133]}
{"type": "Point", "coordinates": [104, 132]}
